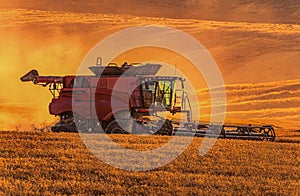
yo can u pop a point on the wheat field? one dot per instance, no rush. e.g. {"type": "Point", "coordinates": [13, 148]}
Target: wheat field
{"type": "Point", "coordinates": [35, 162]}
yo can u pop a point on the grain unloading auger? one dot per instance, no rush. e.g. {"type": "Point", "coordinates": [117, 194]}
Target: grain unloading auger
{"type": "Point", "coordinates": [92, 97]}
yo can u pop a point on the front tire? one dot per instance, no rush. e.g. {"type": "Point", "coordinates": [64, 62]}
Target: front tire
{"type": "Point", "coordinates": [166, 128]}
{"type": "Point", "coordinates": [114, 128]}
{"type": "Point", "coordinates": [66, 127]}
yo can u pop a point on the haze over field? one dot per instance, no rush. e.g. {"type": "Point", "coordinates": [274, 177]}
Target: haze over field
{"type": "Point", "coordinates": [255, 44]}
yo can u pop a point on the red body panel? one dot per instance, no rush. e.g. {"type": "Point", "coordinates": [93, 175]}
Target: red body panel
{"type": "Point", "coordinates": [92, 96]}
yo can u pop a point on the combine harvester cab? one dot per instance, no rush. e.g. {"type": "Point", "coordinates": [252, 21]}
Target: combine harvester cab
{"type": "Point", "coordinates": [92, 97]}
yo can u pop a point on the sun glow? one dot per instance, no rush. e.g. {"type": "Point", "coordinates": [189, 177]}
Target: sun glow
{"type": "Point", "coordinates": [55, 43]}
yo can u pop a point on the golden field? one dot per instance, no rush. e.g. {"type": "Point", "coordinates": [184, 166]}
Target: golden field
{"type": "Point", "coordinates": [34, 162]}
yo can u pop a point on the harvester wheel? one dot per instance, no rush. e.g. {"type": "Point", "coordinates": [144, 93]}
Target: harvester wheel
{"type": "Point", "coordinates": [114, 128]}
{"type": "Point", "coordinates": [84, 125]}
{"type": "Point", "coordinates": [66, 127]}
{"type": "Point", "coordinates": [166, 128]}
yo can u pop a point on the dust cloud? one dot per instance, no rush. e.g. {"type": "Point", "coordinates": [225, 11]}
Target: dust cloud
{"type": "Point", "coordinates": [55, 42]}
{"type": "Point", "coordinates": [21, 51]}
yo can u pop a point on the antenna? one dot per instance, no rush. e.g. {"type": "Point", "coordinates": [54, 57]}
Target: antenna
{"type": "Point", "coordinates": [175, 72]}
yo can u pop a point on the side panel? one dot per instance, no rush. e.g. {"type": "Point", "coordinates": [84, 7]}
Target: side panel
{"type": "Point", "coordinates": [94, 101]}
{"type": "Point", "coordinates": [60, 105]}
{"type": "Point", "coordinates": [81, 100]}
{"type": "Point", "coordinates": [107, 94]}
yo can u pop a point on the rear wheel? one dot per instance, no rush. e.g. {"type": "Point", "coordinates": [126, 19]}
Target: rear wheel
{"type": "Point", "coordinates": [64, 127]}
{"type": "Point", "coordinates": [166, 128]}
{"type": "Point", "coordinates": [70, 122]}
{"type": "Point", "coordinates": [65, 124]}
{"type": "Point", "coordinates": [82, 124]}
{"type": "Point", "coordinates": [114, 128]}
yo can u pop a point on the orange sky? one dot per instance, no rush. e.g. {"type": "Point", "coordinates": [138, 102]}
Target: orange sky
{"type": "Point", "coordinates": [260, 54]}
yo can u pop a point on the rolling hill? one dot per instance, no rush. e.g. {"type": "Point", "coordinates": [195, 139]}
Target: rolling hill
{"type": "Point", "coordinates": [270, 11]}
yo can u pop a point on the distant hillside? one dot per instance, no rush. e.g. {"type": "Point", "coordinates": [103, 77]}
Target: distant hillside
{"type": "Point", "coordinates": [270, 11]}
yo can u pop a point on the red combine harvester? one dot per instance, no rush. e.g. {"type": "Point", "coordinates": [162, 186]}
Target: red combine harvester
{"type": "Point", "coordinates": [130, 96]}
